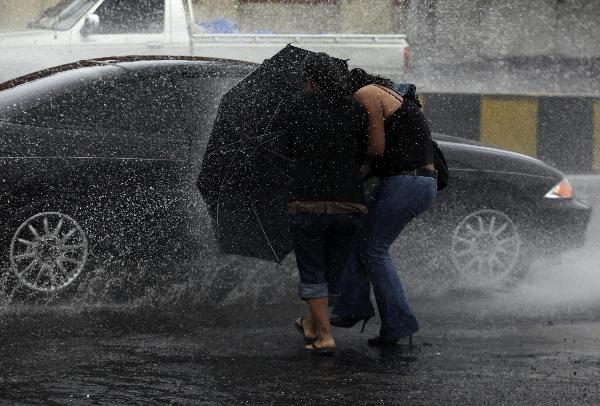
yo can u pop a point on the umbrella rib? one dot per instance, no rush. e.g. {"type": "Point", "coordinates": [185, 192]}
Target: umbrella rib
{"type": "Point", "coordinates": [264, 233]}
{"type": "Point", "coordinates": [271, 120]}
{"type": "Point", "coordinates": [275, 134]}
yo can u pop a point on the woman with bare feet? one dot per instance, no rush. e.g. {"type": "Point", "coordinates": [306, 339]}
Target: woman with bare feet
{"type": "Point", "coordinates": [328, 204]}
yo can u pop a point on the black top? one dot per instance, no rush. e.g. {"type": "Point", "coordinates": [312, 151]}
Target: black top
{"type": "Point", "coordinates": [408, 143]}
{"type": "Point", "coordinates": [322, 142]}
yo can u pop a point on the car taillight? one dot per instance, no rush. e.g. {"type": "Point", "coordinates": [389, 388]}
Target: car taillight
{"type": "Point", "coordinates": [407, 53]}
{"type": "Point", "coordinates": [563, 190]}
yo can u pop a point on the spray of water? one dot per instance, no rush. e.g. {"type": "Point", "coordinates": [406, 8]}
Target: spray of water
{"type": "Point", "coordinates": [567, 285]}
{"type": "Point", "coordinates": [571, 285]}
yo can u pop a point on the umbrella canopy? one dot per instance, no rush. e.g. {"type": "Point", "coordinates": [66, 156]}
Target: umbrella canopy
{"type": "Point", "coordinates": [245, 175]}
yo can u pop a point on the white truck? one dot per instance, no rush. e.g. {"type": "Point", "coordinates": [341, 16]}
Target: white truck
{"type": "Point", "coordinates": [84, 29]}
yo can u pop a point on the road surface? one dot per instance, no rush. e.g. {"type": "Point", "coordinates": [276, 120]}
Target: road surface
{"type": "Point", "coordinates": [535, 343]}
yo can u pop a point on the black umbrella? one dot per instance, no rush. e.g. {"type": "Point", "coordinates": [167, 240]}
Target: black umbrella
{"type": "Point", "coordinates": [244, 178]}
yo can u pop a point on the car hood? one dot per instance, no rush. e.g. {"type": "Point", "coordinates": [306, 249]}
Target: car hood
{"type": "Point", "coordinates": [473, 155]}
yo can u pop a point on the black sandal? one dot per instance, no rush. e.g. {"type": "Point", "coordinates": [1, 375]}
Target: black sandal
{"type": "Point", "coordinates": [319, 350]}
{"type": "Point", "coordinates": [300, 327]}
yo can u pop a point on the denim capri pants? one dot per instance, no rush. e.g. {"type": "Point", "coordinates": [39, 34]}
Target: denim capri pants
{"type": "Point", "coordinates": [323, 243]}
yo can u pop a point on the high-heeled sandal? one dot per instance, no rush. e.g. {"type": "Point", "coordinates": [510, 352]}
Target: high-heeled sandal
{"type": "Point", "coordinates": [300, 327]}
{"type": "Point", "coordinates": [348, 322]}
{"type": "Point", "coordinates": [385, 342]}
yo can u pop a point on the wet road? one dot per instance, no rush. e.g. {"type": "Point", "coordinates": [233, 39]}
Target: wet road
{"type": "Point", "coordinates": [253, 357]}
{"type": "Point", "coordinates": [536, 343]}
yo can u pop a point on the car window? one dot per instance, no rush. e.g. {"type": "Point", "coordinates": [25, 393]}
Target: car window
{"type": "Point", "coordinates": [146, 106]}
{"type": "Point", "coordinates": [28, 91]}
{"type": "Point", "coordinates": [63, 15]}
{"type": "Point", "coordinates": [131, 16]}
{"type": "Point", "coordinates": [167, 104]}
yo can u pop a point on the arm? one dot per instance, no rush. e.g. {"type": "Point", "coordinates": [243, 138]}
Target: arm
{"type": "Point", "coordinates": [368, 98]}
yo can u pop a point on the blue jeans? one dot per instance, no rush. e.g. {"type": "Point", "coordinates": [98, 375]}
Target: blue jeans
{"type": "Point", "coordinates": [396, 201]}
{"type": "Point", "coordinates": [323, 245]}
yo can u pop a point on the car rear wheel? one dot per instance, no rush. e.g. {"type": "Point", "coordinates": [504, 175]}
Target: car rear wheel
{"type": "Point", "coordinates": [486, 247]}
{"type": "Point", "coordinates": [48, 251]}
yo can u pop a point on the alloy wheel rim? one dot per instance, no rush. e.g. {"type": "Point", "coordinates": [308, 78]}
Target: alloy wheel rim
{"type": "Point", "coordinates": [486, 245]}
{"type": "Point", "coordinates": [48, 251]}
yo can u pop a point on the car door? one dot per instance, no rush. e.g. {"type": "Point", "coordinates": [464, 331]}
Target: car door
{"type": "Point", "coordinates": [113, 155]}
{"type": "Point", "coordinates": [126, 27]}
{"type": "Point", "coordinates": [119, 133]}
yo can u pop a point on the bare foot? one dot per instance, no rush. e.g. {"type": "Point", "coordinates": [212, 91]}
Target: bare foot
{"type": "Point", "coordinates": [321, 347]}
{"type": "Point", "coordinates": [322, 343]}
{"type": "Point", "coordinates": [308, 327]}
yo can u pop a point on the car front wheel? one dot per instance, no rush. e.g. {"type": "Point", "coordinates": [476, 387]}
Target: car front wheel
{"type": "Point", "coordinates": [486, 247]}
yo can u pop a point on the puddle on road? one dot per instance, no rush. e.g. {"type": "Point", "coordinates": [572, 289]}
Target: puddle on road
{"type": "Point", "coordinates": [190, 368]}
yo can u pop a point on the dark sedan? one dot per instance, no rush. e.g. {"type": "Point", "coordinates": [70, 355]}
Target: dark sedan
{"type": "Point", "coordinates": [100, 157]}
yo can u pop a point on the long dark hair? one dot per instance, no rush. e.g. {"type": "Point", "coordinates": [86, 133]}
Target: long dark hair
{"type": "Point", "coordinates": [360, 78]}
{"type": "Point", "coordinates": [329, 74]}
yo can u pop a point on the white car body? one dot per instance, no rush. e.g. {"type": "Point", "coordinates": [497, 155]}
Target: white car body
{"type": "Point", "coordinates": [38, 48]}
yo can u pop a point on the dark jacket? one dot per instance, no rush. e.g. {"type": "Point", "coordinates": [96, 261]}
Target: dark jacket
{"type": "Point", "coordinates": [322, 141]}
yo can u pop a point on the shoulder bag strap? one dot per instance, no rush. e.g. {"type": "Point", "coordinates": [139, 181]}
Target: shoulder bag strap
{"type": "Point", "coordinates": [390, 92]}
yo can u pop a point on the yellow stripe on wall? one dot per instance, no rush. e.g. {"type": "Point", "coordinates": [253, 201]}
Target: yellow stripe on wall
{"type": "Point", "coordinates": [510, 123]}
{"type": "Point", "coordinates": [596, 163]}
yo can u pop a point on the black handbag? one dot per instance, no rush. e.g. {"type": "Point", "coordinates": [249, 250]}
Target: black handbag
{"type": "Point", "coordinates": [439, 161]}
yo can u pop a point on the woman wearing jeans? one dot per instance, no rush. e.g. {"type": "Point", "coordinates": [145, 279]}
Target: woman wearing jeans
{"type": "Point", "coordinates": [400, 152]}
{"type": "Point", "coordinates": [328, 204]}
